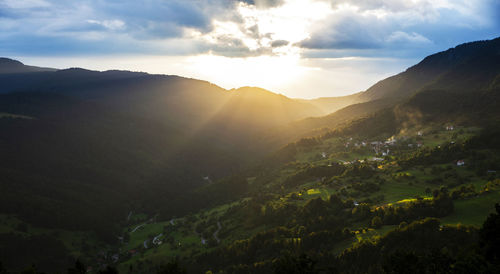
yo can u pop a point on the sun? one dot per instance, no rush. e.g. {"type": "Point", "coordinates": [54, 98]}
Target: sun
{"type": "Point", "coordinates": [269, 72]}
{"type": "Point", "coordinates": [268, 40]}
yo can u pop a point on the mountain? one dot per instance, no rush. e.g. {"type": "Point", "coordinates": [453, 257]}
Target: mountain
{"type": "Point", "coordinates": [117, 141]}
{"type": "Point", "coordinates": [437, 67]}
{"type": "Point", "coordinates": [13, 66]}
{"type": "Point", "coordinates": [458, 82]}
{"type": "Point", "coordinates": [331, 104]}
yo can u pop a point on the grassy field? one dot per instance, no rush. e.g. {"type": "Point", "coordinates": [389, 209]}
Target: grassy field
{"type": "Point", "coordinates": [473, 211]}
{"type": "Point", "coordinates": [147, 231]}
{"type": "Point", "coordinates": [395, 191]}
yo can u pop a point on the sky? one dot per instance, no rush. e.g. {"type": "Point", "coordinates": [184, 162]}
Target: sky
{"type": "Point", "coordinates": [299, 48]}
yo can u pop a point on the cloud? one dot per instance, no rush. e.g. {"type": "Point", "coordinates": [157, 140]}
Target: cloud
{"type": "Point", "coordinates": [262, 4]}
{"type": "Point", "coordinates": [405, 29]}
{"type": "Point", "coordinates": [387, 5]}
{"type": "Point", "coordinates": [109, 24]}
{"type": "Point", "coordinates": [401, 36]}
{"type": "Point", "coordinates": [242, 28]}
{"type": "Point", "coordinates": [25, 4]}
{"type": "Point", "coordinates": [279, 43]}
{"type": "Point", "coordinates": [346, 29]}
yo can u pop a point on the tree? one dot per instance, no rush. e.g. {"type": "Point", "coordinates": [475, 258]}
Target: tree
{"type": "Point", "coordinates": [490, 236]}
{"type": "Point", "coordinates": [2, 270]}
{"type": "Point", "coordinates": [295, 265]}
{"type": "Point", "coordinates": [126, 237]}
{"type": "Point", "coordinates": [428, 191]}
{"type": "Point", "coordinates": [29, 270]}
{"type": "Point", "coordinates": [79, 268]}
{"type": "Point", "coordinates": [109, 270]}
{"type": "Point", "coordinates": [172, 267]}
{"type": "Point", "coordinates": [377, 222]}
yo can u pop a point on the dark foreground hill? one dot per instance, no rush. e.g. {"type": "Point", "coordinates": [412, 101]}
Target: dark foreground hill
{"type": "Point", "coordinates": [109, 142]}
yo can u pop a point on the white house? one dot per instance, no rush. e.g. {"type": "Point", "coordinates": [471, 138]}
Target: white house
{"type": "Point", "coordinates": [460, 162]}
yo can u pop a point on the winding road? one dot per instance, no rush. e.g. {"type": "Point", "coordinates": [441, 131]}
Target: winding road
{"type": "Point", "coordinates": [155, 239]}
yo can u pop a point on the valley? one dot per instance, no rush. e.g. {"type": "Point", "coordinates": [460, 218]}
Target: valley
{"type": "Point", "coordinates": [392, 186]}
{"type": "Point", "coordinates": [129, 172]}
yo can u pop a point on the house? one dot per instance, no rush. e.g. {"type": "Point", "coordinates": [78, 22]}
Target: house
{"type": "Point", "coordinates": [355, 203]}
{"type": "Point", "coordinates": [450, 128]}
{"type": "Point", "coordinates": [460, 162]}
{"type": "Point", "coordinates": [419, 144]}
{"type": "Point", "coordinates": [419, 133]}
{"type": "Point", "coordinates": [323, 154]}
{"type": "Point", "coordinates": [391, 141]}
{"type": "Point", "coordinates": [156, 240]}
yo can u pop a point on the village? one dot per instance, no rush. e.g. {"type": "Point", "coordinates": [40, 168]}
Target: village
{"type": "Point", "coordinates": [354, 150]}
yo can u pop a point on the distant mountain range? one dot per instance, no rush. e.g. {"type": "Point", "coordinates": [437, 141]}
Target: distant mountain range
{"type": "Point", "coordinates": [12, 66]}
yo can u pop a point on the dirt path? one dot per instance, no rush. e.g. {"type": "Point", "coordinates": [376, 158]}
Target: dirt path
{"type": "Point", "coordinates": [137, 227]}
{"type": "Point", "coordinates": [219, 226]}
